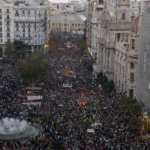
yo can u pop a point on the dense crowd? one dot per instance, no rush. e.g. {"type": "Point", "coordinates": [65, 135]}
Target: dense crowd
{"type": "Point", "coordinates": [81, 116]}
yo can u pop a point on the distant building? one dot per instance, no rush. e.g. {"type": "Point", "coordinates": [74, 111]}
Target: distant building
{"type": "Point", "coordinates": [68, 22]}
{"type": "Point", "coordinates": [25, 20]}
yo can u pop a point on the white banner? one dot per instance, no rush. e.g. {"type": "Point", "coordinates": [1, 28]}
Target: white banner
{"type": "Point", "coordinates": [90, 130]}
{"type": "Point", "coordinates": [67, 85]}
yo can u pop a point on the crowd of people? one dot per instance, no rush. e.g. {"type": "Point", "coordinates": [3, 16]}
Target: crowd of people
{"type": "Point", "coordinates": [79, 115]}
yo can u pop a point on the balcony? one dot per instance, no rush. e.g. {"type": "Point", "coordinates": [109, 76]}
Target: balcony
{"type": "Point", "coordinates": [133, 53]}
{"type": "Point", "coordinates": [7, 19]}
{"type": "Point", "coordinates": [100, 6]}
{"type": "Point", "coordinates": [102, 41]}
{"type": "Point", "coordinates": [98, 68]}
{"type": "Point", "coordinates": [110, 45]}
{"type": "Point", "coordinates": [25, 38]}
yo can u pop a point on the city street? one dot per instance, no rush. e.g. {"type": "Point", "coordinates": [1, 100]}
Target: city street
{"type": "Point", "coordinates": [79, 116]}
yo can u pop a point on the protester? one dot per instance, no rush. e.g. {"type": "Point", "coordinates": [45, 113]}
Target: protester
{"type": "Point", "coordinates": [81, 116]}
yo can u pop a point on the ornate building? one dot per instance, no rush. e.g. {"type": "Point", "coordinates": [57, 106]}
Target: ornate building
{"type": "Point", "coordinates": [115, 46]}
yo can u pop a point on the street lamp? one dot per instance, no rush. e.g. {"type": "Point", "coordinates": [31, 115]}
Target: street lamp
{"type": "Point", "coordinates": [46, 45]}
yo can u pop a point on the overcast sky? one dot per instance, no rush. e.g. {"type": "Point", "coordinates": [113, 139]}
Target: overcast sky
{"type": "Point", "coordinates": [57, 1]}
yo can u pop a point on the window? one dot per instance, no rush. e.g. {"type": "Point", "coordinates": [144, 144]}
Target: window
{"type": "Point", "coordinates": [126, 37]}
{"type": "Point", "coordinates": [132, 77]}
{"type": "Point", "coordinates": [132, 65]}
{"type": "Point", "coordinates": [7, 16]}
{"type": "Point", "coordinates": [8, 23]}
{"type": "Point", "coordinates": [17, 24]}
{"type": "Point", "coordinates": [0, 16]}
{"type": "Point", "coordinates": [131, 92]}
{"type": "Point", "coordinates": [8, 29]}
{"type": "Point", "coordinates": [23, 13]}
{"type": "Point", "coordinates": [100, 1]}
{"type": "Point", "coordinates": [0, 34]}
{"type": "Point", "coordinates": [16, 14]}
{"type": "Point", "coordinates": [0, 10]}
{"type": "Point", "coordinates": [17, 29]}
{"type": "Point", "coordinates": [123, 16]}
{"type": "Point", "coordinates": [7, 10]}
{"type": "Point", "coordinates": [133, 43]}
{"type": "Point", "coordinates": [8, 34]}
{"type": "Point", "coordinates": [0, 23]}
{"type": "Point", "coordinates": [0, 28]}
{"type": "Point", "coordinates": [118, 37]}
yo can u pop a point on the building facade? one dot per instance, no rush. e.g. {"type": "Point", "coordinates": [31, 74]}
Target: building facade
{"type": "Point", "coordinates": [143, 88]}
{"type": "Point", "coordinates": [25, 21]}
{"type": "Point", "coordinates": [68, 22]}
{"type": "Point", "coordinates": [115, 45]}
{"type": "Point", "coordinates": [90, 8]}
{"type": "Point", "coordinates": [6, 24]}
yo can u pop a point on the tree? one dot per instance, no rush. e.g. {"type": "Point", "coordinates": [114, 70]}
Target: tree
{"type": "Point", "coordinates": [135, 123]}
{"type": "Point", "coordinates": [20, 49]}
{"type": "Point", "coordinates": [131, 106]}
{"type": "Point", "coordinates": [107, 85]}
{"type": "Point", "coordinates": [84, 35]}
{"type": "Point", "coordinates": [1, 71]}
{"type": "Point", "coordinates": [9, 48]}
{"type": "Point", "coordinates": [52, 43]}
{"type": "Point", "coordinates": [33, 67]}
{"type": "Point", "coordinates": [80, 42]}
{"type": "Point", "coordinates": [89, 66]}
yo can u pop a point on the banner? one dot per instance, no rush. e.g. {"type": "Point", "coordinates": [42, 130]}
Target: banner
{"type": "Point", "coordinates": [90, 130]}
{"type": "Point", "coordinates": [67, 85]}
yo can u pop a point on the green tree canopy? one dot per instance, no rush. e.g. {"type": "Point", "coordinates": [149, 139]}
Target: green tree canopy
{"type": "Point", "coordinates": [52, 43]}
{"type": "Point", "coordinates": [33, 67]}
{"type": "Point", "coordinates": [135, 123]}
{"type": "Point", "coordinates": [9, 48]}
{"type": "Point", "coordinates": [131, 105]}
{"type": "Point", "coordinates": [81, 43]}
{"type": "Point", "coordinates": [20, 49]}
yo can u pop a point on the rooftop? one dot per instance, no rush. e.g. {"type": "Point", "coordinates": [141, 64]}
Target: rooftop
{"type": "Point", "coordinates": [70, 16]}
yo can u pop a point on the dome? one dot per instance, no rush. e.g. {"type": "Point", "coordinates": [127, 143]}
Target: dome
{"type": "Point", "coordinates": [135, 24]}
{"type": "Point", "coordinates": [105, 15]}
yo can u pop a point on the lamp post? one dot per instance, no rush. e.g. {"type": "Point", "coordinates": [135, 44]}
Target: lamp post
{"type": "Point", "coordinates": [46, 47]}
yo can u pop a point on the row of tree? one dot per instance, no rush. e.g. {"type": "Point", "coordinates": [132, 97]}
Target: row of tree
{"type": "Point", "coordinates": [81, 43]}
{"type": "Point", "coordinates": [132, 108]}
{"type": "Point", "coordinates": [16, 49]}
{"type": "Point", "coordinates": [106, 85]}
{"type": "Point", "coordinates": [33, 67]}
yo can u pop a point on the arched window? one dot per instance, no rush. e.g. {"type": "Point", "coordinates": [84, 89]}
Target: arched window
{"type": "Point", "coordinates": [133, 43]}
{"type": "Point", "coordinates": [132, 65]}
{"type": "Point", "coordinates": [132, 77]}
{"type": "Point", "coordinates": [123, 16]}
